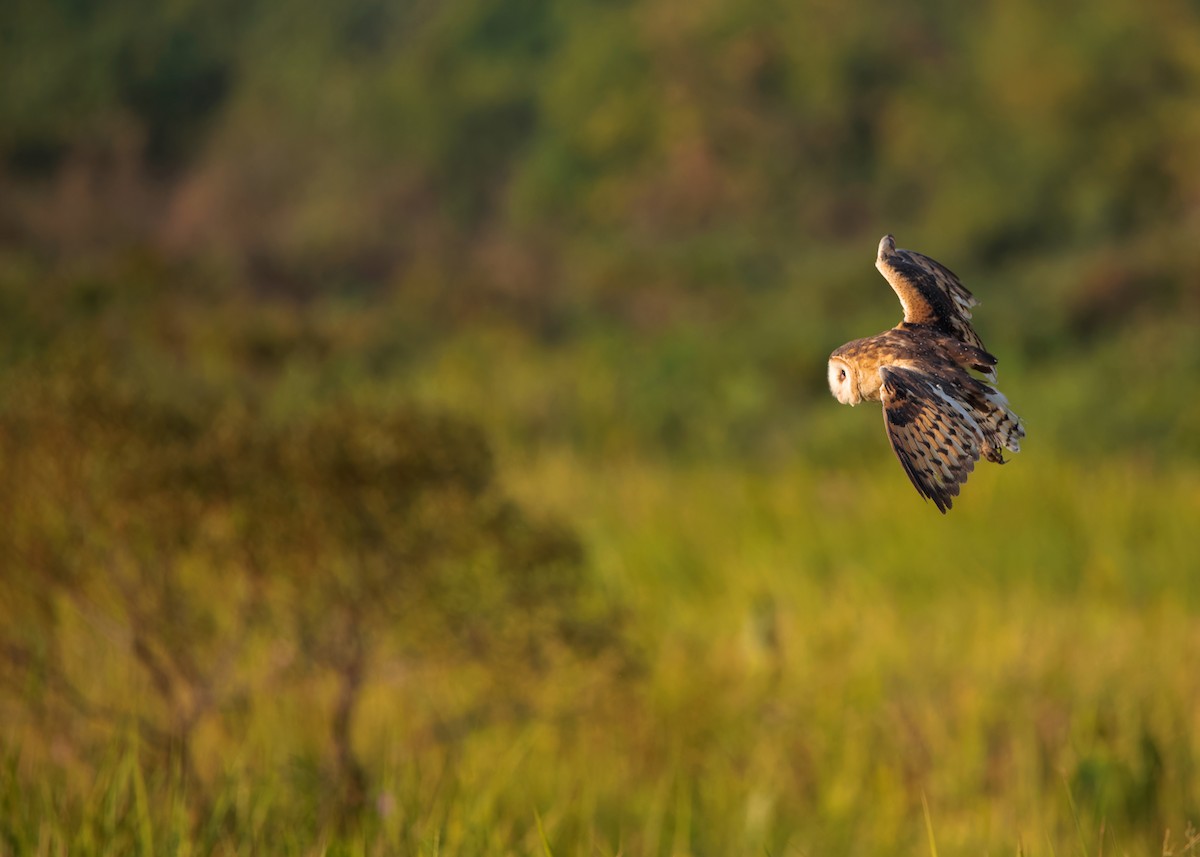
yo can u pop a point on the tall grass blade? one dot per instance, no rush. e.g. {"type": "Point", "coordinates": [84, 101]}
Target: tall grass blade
{"type": "Point", "coordinates": [929, 826]}
{"type": "Point", "coordinates": [542, 834]}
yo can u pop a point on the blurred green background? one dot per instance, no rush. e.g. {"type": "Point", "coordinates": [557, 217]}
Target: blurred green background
{"type": "Point", "coordinates": [414, 435]}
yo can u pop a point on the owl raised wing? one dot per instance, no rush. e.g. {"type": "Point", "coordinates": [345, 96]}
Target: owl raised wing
{"type": "Point", "coordinates": [930, 293]}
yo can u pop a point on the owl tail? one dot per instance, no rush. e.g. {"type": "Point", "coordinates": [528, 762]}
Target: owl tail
{"type": "Point", "coordinates": [1002, 428]}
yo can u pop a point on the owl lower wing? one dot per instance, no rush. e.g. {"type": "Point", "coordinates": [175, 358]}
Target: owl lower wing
{"type": "Point", "coordinates": [933, 434]}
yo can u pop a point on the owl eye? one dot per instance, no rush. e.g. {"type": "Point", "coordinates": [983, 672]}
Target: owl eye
{"type": "Point", "coordinates": [841, 374]}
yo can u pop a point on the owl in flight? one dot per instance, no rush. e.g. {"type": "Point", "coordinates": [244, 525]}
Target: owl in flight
{"type": "Point", "coordinates": [940, 418]}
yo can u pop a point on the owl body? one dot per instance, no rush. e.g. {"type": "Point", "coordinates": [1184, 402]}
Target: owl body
{"type": "Point", "coordinates": [910, 346]}
{"type": "Point", "coordinates": [939, 416]}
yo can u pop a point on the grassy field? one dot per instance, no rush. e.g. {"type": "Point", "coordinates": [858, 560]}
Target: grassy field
{"type": "Point", "coordinates": [818, 661]}
{"type": "Point", "coordinates": [809, 659]}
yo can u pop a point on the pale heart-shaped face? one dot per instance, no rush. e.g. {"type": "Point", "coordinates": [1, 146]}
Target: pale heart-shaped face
{"type": "Point", "coordinates": [843, 382]}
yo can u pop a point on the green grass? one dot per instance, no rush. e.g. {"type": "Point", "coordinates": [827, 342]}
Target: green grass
{"type": "Point", "coordinates": [827, 666]}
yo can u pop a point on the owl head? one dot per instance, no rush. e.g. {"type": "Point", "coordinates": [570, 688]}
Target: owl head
{"type": "Point", "coordinates": [843, 381]}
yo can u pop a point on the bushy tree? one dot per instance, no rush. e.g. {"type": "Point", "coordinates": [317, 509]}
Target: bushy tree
{"type": "Point", "coordinates": [219, 557]}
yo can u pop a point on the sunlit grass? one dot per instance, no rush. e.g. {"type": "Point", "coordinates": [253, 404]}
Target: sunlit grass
{"type": "Point", "coordinates": [1025, 660]}
{"type": "Point", "coordinates": [820, 653]}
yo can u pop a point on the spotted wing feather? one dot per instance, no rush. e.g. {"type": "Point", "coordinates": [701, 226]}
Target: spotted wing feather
{"type": "Point", "coordinates": [930, 293]}
{"type": "Point", "coordinates": [935, 436]}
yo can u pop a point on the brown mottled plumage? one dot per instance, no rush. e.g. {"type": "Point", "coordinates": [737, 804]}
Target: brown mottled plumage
{"type": "Point", "coordinates": [940, 418]}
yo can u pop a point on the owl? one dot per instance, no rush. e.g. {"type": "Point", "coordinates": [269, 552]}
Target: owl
{"type": "Point", "coordinates": [940, 418]}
